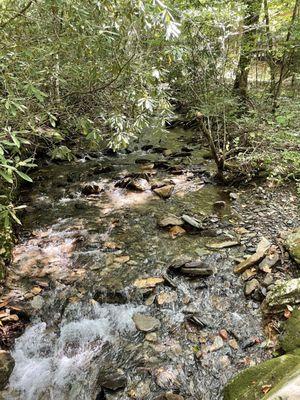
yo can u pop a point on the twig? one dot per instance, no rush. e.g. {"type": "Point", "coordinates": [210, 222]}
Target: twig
{"type": "Point", "coordinates": [19, 14]}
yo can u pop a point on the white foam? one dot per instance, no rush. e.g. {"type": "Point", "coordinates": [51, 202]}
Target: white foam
{"type": "Point", "coordinates": [49, 363]}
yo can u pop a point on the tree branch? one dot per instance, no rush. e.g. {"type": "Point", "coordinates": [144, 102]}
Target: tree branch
{"type": "Point", "coordinates": [105, 85]}
{"type": "Point", "coordinates": [19, 14]}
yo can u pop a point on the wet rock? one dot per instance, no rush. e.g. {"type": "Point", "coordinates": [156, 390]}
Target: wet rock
{"type": "Point", "coordinates": [233, 344]}
{"type": "Point", "coordinates": [293, 245]}
{"type": "Point", "coordinates": [233, 196]}
{"type": "Point", "coordinates": [219, 204]}
{"type": "Point", "coordinates": [166, 377]}
{"type": "Point", "coordinates": [251, 286]}
{"type": "Point", "coordinates": [170, 221]}
{"type": "Point", "coordinates": [166, 298]}
{"type": "Point", "coordinates": [136, 184]}
{"type": "Point", "coordinates": [176, 231]}
{"type": "Point", "coordinates": [191, 221]}
{"type": "Point", "coordinates": [7, 364]}
{"type": "Point", "coordinates": [169, 396]}
{"type": "Point", "coordinates": [165, 191]}
{"type": "Point", "coordinates": [112, 379]}
{"type": "Point", "coordinates": [197, 320]}
{"type": "Point", "coordinates": [284, 293]}
{"type": "Point", "coordinates": [145, 323]}
{"type": "Point", "coordinates": [151, 337]}
{"type": "Point", "coordinates": [268, 280]}
{"type": "Point", "coordinates": [148, 282]}
{"type": "Point", "coordinates": [90, 188]}
{"type": "Point", "coordinates": [261, 250]}
{"type": "Point", "coordinates": [217, 344]}
{"type": "Point", "coordinates": [222, 245]}
{"type": "Point", "coordinates": [224, 334]}
{"type": "Point", "coordinates": [268, 262]}
{"type": "Point", "coordinates": [197, 268]}
{"type": "Point", "coordinates": [179, 262]}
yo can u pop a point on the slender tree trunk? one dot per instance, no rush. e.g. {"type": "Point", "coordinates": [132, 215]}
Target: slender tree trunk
{"type": "Point", "coordinates": [270, 48]}
{"type": "Point", "coordinates": [251, 20]}
{"type": "Point", "coordinates": [286, 58]}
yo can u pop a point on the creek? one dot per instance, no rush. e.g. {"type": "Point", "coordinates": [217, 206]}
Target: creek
{"type": "Point", "coordinates": [79, 268]}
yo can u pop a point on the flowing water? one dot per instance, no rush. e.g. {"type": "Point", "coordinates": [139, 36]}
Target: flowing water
{"type": "Point", "coordinates": [76, 268]}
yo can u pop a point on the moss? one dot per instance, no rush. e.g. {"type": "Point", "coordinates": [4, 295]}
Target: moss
{"type": "Point", "coordinates": [248, 384]}
{"type": "Point", "coordinates": [291, 337]}
{"type": "Point", "coordinates": [293, 245]}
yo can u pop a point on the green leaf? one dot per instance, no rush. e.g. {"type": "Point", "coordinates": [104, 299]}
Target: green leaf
{"type": "Point", "coordinates": [24, 176]}
{"type": "Point", "coordinates": [7, 177]}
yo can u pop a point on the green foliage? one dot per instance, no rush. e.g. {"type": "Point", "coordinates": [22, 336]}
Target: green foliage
{"type": "Point", "coordinates": [102, 72]}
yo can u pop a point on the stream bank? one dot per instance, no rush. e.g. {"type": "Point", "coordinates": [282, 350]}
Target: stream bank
{"type": "Point", "coordinates": [120, 303]}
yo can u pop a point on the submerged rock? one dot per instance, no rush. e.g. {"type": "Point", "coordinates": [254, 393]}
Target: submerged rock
{"type": "Point", "coordinates": [145, 323]}
{"type": "Point", "coordinates": [7, 364]}
{"type": "Point", "coordinates": [293, 245]}
{"type": "Point", "coordinates": [112, 379]}
{"type": "Point", "coordinates": [169, 396]}
{"type": "Point", "coordinates": [284, 293]}
{"type": "Point", "coordinates": [90, 188]}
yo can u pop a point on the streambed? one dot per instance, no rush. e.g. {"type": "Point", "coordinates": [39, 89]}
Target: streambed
{"type": "Point", "coordinates": [76, 272]}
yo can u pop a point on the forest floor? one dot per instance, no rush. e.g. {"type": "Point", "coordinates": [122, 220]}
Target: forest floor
{"type": "Point", "coordinates": [124, 279]}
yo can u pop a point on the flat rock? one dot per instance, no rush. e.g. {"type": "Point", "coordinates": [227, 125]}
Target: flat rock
{"type": "Point", "coordinates": [261, 250]}
{"type": "Point", "coordinates": [166, 298]}
{"type": "Point", "coordinates": [170, 220]}
{"type": "Point", "coordinates": [222, 245]}
{"type": "Point", "coordinates": [145, 323]}
{"type": "Point", "coordinates": [148, 282]}
{"type": "Point", "coordinates": [191, 221]}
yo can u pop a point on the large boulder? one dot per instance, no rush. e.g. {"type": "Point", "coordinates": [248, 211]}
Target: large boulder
{"type": "Point", "coordinates": [290, 340]}
{"type": "Point", "coordinates": [284, 293]}
{"type": "Point", "coordinates": [293, 245]}
{"type": "Point", "coordinates": [7, 364]}
{"type": "Point", "coordinates": [270, 380]}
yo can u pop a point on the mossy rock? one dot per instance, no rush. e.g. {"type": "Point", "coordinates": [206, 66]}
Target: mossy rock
{"type": "Point", "coordinates": [291, 337]}
{"type": "Point", "coordinates": [249, 384]}
{"type": "Point", "coordinates": [284, 293]}
{"type": "Point", "coordinates": [293, 245]}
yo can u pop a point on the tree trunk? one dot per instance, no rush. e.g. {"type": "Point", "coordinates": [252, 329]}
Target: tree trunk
{"type": "Point", "coordinates": [251, 20]}
{"type": "Point", "coordinates": [270, 48]}
{"type": "Point", "coordinates": [286, 58]}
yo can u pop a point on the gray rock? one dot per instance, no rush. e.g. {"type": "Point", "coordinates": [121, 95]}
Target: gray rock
{"type": "Point", "coordinates": [191, 221]}
{"type": "Point", "coordinates": [251, 286]}
{"type": "Point", "coordinates": [112, 379]}
{"type": "Point", "coordinates": [145, 323]}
